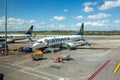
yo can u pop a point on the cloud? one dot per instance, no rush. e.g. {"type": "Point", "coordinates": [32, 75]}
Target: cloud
{"type": "Point", "coordinates": [59, 18]}
{"type": "Point", "coordinates": [78, 24]}
{"type": "Point", "coordinates": [65, 10]}
{"type": "Point", "coordinates": [51, 27]}
{"type": "Point", "coordinates": [13, 21]}
{"type": "Point", "coordinates": [90, 3]}
{"type": "Point", "coordinates": [87, 4]}
{"type": "Point", "coordinates": [99, 23]}
{"type": "Point", "coordinates": [62, 26]}
{"type": "Point", "coordinates": [117, 21]}
{"type": "Point", "coordinates": [16, 24]}
{"type": "Point", "coordinates": [99, 16]}
{"type": "Point", "coordinates": [32, 21]}
{"type": "Point", "coordinates": [2, 21]}
{"type": "Point", "coordinates": [88, 9]}
{"type": "Point", "coordinates": [78, 17]}
{"type": "Point", "coordinates": [110, 4]}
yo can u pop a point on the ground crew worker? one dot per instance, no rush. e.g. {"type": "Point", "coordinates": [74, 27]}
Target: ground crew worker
{"type": "Point", "coordinates": [57, 59]}
{"type": "Point", "coordinates": [5, 46]}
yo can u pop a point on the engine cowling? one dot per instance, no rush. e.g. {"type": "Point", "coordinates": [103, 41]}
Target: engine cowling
{"type": "Point", "coordinates": [70, 45]}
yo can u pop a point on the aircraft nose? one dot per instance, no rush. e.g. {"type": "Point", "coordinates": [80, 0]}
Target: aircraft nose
{"type": "Point", "coordinates": [36, 45]}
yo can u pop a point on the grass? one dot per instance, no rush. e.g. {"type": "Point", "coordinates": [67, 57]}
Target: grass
{"type": "Point", "coordinates": [69, 32]}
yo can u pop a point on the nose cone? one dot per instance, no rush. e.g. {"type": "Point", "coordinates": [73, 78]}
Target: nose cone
{"type": "Point", "coordinates": [36, 45]}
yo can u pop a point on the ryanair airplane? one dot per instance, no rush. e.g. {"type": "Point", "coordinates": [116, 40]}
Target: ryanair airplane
{"type": "Point", "coordinates": [46, 42]}
{"type": "Point", "coordinates": [13, 37]}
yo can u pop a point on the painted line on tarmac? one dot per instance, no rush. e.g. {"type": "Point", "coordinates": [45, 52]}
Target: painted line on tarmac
{"type": "Point", "coordinates": [84, 77]}
{"type": "Point", "coordinates": [21, 70]}
{"type": "Point", "coordinates": [116, 68]}
{"type": "Point", "coordinates": [64, 78]}
{"type": "Point", "coordinates": [32, 69]}
{"type": "Point", "coordinates": [109, 51]}
{"type": "Point", "coordinates": [6, 56]}
{"type": "Point", "coordinates": [21, 62]}
{"type": "Point", "coordinates": [6, 66]}
{"type": "Point", "coordinates": [11, 61]}
{"type": "Point", "coordinates": [43, 73]}
{"type": "Point", "coordinates": [34, 74]}
{"type": "Point", "coordinates": [3, 61]}
{"type": "Point", "coordinates": [98, 70]}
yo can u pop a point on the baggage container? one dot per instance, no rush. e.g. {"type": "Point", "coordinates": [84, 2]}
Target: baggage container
{"type": "Point", "coordinates": [27, 49]}
{"type": "Point", "coordinates": [20, 48]}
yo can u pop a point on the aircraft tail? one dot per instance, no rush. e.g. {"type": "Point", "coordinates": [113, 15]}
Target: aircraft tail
{"type": "Point", "coordinates": [81, 31]}
{"type": "Point", "coordinates": [30, 30]}
{"type": "Point", "coordinates": [30, 33]}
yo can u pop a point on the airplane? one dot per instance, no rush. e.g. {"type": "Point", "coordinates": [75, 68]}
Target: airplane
{"type": "Point", "coordinates": [14, 37]}
{"type": "Point", "coordinates": [46, 42]}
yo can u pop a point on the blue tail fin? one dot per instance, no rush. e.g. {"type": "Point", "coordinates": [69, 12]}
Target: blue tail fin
{"type": "Point", "coordinates": [30, 30]}
{"type": "Point", "coordinates": [81, 31]}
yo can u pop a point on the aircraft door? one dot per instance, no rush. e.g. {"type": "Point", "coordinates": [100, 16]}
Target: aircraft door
{"type": "Point", "coordinates": [46, 41]}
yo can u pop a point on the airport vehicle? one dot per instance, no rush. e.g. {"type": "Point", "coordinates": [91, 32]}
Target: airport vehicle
{"type": "Point", "coordinates": [67, 41]}
{"type": "Point", "coordinates": [37, 55]}
{"type": "Point", "coordinates": [14, 37]}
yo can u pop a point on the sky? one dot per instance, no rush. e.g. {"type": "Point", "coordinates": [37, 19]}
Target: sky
{"type": "Point", "coordinates": [97, 15]}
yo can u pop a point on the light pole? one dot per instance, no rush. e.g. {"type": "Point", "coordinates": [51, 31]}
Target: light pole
{"type": "Point", "coordinates": [5, 27]}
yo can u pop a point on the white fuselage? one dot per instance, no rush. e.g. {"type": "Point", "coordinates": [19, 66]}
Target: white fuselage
{"type": "Point", "coordinates": [50, 41]}
{"type": "Point", "coordinates": [14, 37]}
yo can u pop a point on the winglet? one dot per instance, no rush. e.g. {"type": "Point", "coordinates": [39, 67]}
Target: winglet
{"type": "Point", "coordinates": [81, 31]}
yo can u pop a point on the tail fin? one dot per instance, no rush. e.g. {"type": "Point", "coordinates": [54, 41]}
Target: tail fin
{"type": "Point", "coordinates": [81, 31]}
{"type": "Point", "coordinates": [30, 30]}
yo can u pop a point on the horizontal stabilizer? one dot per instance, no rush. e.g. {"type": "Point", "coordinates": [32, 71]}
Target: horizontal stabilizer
{"type": "Point", "coordinates": [87, 43]}
{"type": "Point", "coordinates": [29, 38]}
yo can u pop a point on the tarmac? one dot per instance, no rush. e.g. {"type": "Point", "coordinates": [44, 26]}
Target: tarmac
{"type": "Point", "coordinates": [95, 62]}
